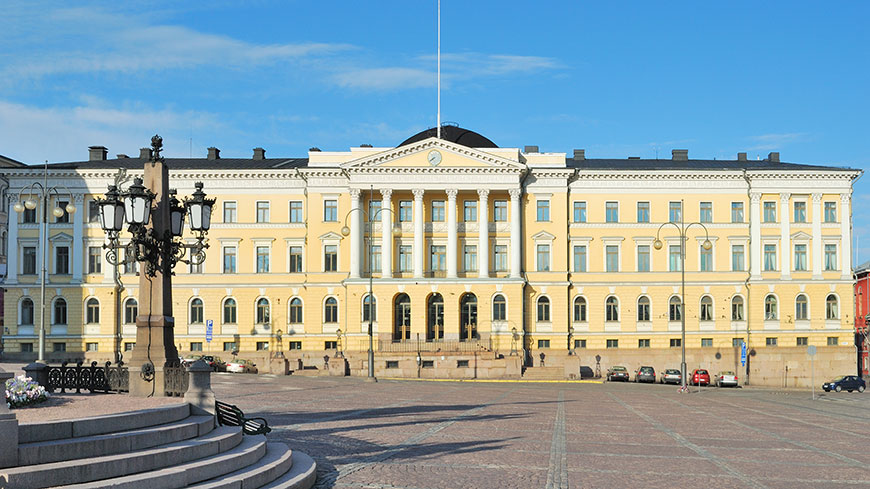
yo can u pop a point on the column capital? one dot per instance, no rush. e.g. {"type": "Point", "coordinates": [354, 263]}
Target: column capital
{"type": "Point", "coordinates": [78, 199]}
{"type": "Point", "coordinates": [386, 193]}
{"type": "Point", "coordinates": [755, 197]}
{"type": "Point", "coordinates": [483, 193]}
{"type": "Point", "coordinates": [452, 193]}
{"type": "Point", "coordinates": [515, 193]}
{"type": "Point", "coordinates": [418, 193]}
{"type": "Point", "coordinates": [354, 193]}
{"type": "Point", "coordinates": [817, 197]}
{"type": "Point", "coordinates": [845, 198]}
{"type": "Point", "coordinates": [784, 196]}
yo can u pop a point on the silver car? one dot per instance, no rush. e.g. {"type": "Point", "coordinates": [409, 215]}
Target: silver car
{"type": "Point", "coordinates": [726, 378]}
{"type": "Point", "coordinates": [672, 376]}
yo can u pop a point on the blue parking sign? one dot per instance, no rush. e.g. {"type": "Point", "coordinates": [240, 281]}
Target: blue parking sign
{"type": "Point", "coordinates": [743, 354]}
{"type": "Point", "coordinates": [208, 330]}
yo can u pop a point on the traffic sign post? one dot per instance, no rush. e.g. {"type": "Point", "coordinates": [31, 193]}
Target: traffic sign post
{"type": "Point", "coordinates": [209, 325]}
{"type": "Point", "coordinates": [811, 351]}
{"type": "Point", "coordinates": [743, 354]}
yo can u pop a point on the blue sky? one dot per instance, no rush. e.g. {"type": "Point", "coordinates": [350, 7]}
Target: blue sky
{"type": "Point", "coordinates": [616, 78]}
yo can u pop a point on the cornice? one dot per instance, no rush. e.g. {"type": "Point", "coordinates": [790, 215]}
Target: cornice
{"type": "Point", "coordinates": [375, 160]}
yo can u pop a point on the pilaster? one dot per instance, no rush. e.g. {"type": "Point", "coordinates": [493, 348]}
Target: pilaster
{"type": "Point", "coordinates": [516, 230]}
{"type": "Point", "coordinates": [355, 233]}
{"type": "Point", "coordinates": [483, 233]}
{"type": "Point", "coordinates": [785, 242]}
{"type": "Point", "coordinates": [452, 241]}
{"type": "Point", "coordinates": [76, 253]}
{"type": "Point", "coordinates": [418, 232]}
{"type": "Point", "coordinates": [846, 233]}
{"type": "Point", "coordinates": [817, 245]}
{"type": "Point", "coordinates": [386, 233]}
{"type": "Point", "coordinates": [755, 234]}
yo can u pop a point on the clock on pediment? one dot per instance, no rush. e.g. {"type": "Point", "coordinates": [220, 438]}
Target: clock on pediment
{"type": "Point", "coordinates": [434, 157]}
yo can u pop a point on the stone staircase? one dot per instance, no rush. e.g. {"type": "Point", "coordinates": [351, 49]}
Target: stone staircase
{"type": "Point", "coordinates": [168, 447]}
{"type": "Point", "coordinates": [544, 373]}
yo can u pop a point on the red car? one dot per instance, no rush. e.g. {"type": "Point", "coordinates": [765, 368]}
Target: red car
{"type": "Point", "coordinates": [699, 376]}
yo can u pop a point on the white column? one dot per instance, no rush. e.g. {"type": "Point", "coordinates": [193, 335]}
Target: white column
{"type": "Point", "coordinates": [452, 241]}
{"type": "Point", "coordinates": [516, 220]}
{"type": "Point", "coordinates": [355, 233]}
{"type": "Point", "coordinates": [12, 249]}
{"type": "Point", "coordinates": [418, 232]}
{"type": "Point", "coordinates": [784, 240]}
{"type": "Point", "coordinates": [755, 234]}
{"type": "Point", "coordinates": [483, 233]}
{"type": "Point", "coordinates": [386, 234]}
{"type": "Point", "coordinates": [76, 254]}
{"type": "Point", "coordinates": [817, 245]}
{"type": "Point", "coordinates": [846, 233]}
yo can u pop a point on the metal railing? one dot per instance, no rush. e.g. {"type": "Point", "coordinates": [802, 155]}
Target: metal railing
{"type": "Point", "coordinates": [90, 378]}
{"type": "Point", "coordinates": [447, 346]}
{"type": "Point", "coordinates": [175, 380]}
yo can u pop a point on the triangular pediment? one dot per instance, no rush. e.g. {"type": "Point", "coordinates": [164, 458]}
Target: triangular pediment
{"type": "Point", "coordinates": [61, 237]}
{"type": "Point", "coordinates": [801, 236]}
{"type": "Point", "coordinates": [331, 236]}
{"type": "Point", "coordinates": [543, 236]}
{"type": "Point", "coordinates": [433, 153]}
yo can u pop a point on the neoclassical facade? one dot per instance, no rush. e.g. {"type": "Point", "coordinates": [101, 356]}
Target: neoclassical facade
{"type": "Point", "coordinates": [453, 244]}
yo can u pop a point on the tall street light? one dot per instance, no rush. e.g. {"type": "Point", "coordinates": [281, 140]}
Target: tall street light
{"type": "Point", "coordinates": [682, 227]}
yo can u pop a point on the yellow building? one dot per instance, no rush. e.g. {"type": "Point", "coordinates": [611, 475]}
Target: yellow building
{"type": "Point", "coordinates": [482, 242]}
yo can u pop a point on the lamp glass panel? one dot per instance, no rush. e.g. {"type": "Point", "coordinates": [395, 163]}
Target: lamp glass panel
{"type": "Point", "coordinates": [206, 217]}
{"type": "Point", "coordinates": [118, 211]}
{"type": "Point", "coordinates": [128, 209]}
{"type": "Point", "coordinates": [145, 204]}
{"type": "Point", "coordinates": [195, 211]}
{"type": "Point", "coordinates": [177, 218]}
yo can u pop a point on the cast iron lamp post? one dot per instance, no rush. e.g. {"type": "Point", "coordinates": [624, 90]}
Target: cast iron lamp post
{"type": "Point", "coordinates": [682, 227]}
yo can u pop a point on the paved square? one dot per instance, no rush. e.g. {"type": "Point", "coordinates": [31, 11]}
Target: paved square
{"type": "Point", "coordinates": [428, 435]}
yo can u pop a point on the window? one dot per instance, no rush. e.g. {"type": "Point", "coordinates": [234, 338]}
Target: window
{"type": "Point", "coordinates": [706, 342]}
{"type": "Point", "coordinates": [499, 211]}
{"type": "Point", "coordinates": [611, 211]}
{"type": "Point", "coordinates": [129, 345]}
{"type": "Point", "coordinates": [770, 341]}
{"type": "Point", "coordinates": [500, 258]}
{"type": "Point", "coordinates": [675, 211]}
{"type": "Point", "coordinates": [469, 211]}
{"type": "Point", "coordinates": [675, 309]}
{"type": "Point", "coordinates": [612, 343]}
{"type": "Point", "coordinates": [736, 342]}
{"type": "Point", "coordinates": [61, 260]}
{"type": "Point", "coordinates": [59, 311]}
{"type": "Point", "coordinates": [737, 308]}
{"type": "Point", "coordinates": [93, 211]}
{"type": "Point", "coordinates": [611, 309]}
{"type": "Point", "coordinates": [28, 263]}
{"type": "Point", "coordinates": [643, 343]}
{"type": "Point", "coordinates": [263, 259]}
{"type": "Point", "coordinates": [195, 267]}
{"type": "Point", "coordinates": [92, 309]}
{"type": "Point", "coordinates": [405, 264]}
{"type": "Point", "coordinates": [375, 257]}
{"type": "Point", "coordinates": [738, 260]}
{"type": "Point", "coordinates": [800, 257]}
{"type": "Point", "coordinates": [543, 258]}
{"type": "Point", "coordinates": [95, 259]}
{"type": "Point", "coordinates": [406, 211]}
{"type": "Point", "coordinates": [330, 310]}
{"type": "Point", "coordinates": [580, 258]}
{"type": "Point", "coordinates": [330, 210]}
{"type": "Point", "coordinates": [769, 212]}
{"type": "Point", "coordinates": [830, 212]}
{"type": "Point", "coordinates": [737, 212]}
{"type": "Point", "coordinates": [262, 346]}
{"type": "Point", "coordinates": [469, 258]}
{"type": "Point", "coordinates": [643, 258]}
{"type": "Point", "coordinates": [438, 258]}
{"type": "Point", "coordinates": [543, 210]}
{"type": "Point", "coordinates": [769, 257]}
{"type": "Point", "coordinates": [330, 345]}
{"type": "Point", "coordinates": [770, 311]}
{"type": "Point", "coordinates": [196, 311]}
{"type": "Point", "coordinates": [131, 267]}
{"type": "Point", "coordinates": [643, 309]}
{"type": "Point", "coordinates": [294, 315]}
{"type": "Point", "coordinates": [830, 257]}
{"type": "Point", "coordinates": [706, 259]}
{"type": "Point", "coordinates": [262, 211]}
{"type": "Point", "coordinates": [674, 261]}
{"type": "Point", "coordinates": [58, 347]}
{"type": "Point", "coordinates": [706, 212]}
{"type": "Point", "coordinates": [802, 341]}
{"type": "Point", "coordinates": [579, 310]}
{"type": "Point", "coordinates": [374, 210]}
{"type": "Point", "coordinates": [579, 343]}
{"type": "Point", "coordinates": [499, 308]}
{"type": "Point", "coordinates": [543, 343]}
{"type": "Point", "coordinates": [229, 259]}
{"type": "Point", "coordinates": [196, 346]}
{"type": "Point", "coordinates": [437, 211]}
{"type": "Point", "coordinates": [61, 204]}
{"type": "Point", "coordinates": [295, 260]}
{"type": "Point", "coordinates": [29, 216]}
{"type": "Point", "coordinates": [643, 212]}
{"type": "Point", "coordinates": [579, 211]}
{"type": "Point", "coordinates": [800, 307]}
{"type": "Point", "coordinates": [428, 364]}
{"type": "Point", "coordinates": [230, 212]}
{"type": "Point", "coordinates": [833, 341]}
{"type": "Point", "coordinates": [295, 345]}
{"type": "Point", "coordinates": [229, 316]}
{"type": "Point", "coordinates": [296, 211]}
{"type": "Point", "coordinates": [27, 347]}
{"type": "Point", "coordinates": [676, 342]}
{"type": "Point", "coordinates": [263, 316]}
{"type": "Point", "coordinates": [706, 308]}
{"type": "Point", "coordinates": [543, 309]}
{"type": "Point", "coordinates": [612, 254]}
{"type": "Point", "coordinates": [392, 364]}
{"type": "Point", "coordinates": [831, 309]}
{"type": "Point", "coordinates": [800, 212]}
{"type": "Point", "coordinates": [131, 310]}
{"type": "Point", "coordinates": [330, 258]}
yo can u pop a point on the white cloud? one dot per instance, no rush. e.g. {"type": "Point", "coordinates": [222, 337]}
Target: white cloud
{"type": "Point", "coordinates": [776, 141]}
{"type": "Point", "coordinates": [386, 78]}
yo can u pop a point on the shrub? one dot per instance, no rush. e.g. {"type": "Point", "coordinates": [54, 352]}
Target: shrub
{"type": "Point", "coordinates": [23, 391]}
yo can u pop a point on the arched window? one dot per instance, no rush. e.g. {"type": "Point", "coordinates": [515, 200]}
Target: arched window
{"type": "Point", "coordinates": [831, 309]}
{"type": "Point", "coordinates": [611, 309]}
{"type": "Point", "coordinates": [579, 309]}
{"type": "Point", "coordinates": [706, 308]}
{"type": "Point", "coordinates": [263, 311]}
{"type": "Point", "coordinates": [770, 311]}
{"type": "Point", "coordinates": [370, 308]}
{"type": "Point", "coordinates": [402, 317]}
{"type": "Point", "coordinates": [295, 311]}
{"type": "Point", "coordinates": [59, 316]}
{"type": "Point", "coordinates": [468, 316]}
{"type": "Point", "coordinates": [801, 307]}
{"type": "Point", "coordinates": [93, 311]}
{"type": "Point", "coordinates": [196, 311]}
{"type": "Point", "coordinates": [229, 311]}
{"type": "Point", "coordinates": [131, 310]}
{"type": "Point", "coordinates": [499, 308]}
{"type": "Point", "coordinates": [643, 305]}
{"type": "Point", "coordinates": [27, 311]}
{"type": "Point", "coordinates": [543, 309]}
{"type": "Point", "coordinates": [737, 308]}
{"type": "Point", "coordinates": [330, 310]}
{"type": "Point", "coordinates": [675, 309]}
{"type": "Point", "coordinates": [435, 317]}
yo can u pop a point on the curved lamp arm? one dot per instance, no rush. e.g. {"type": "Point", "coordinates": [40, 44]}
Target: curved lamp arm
{"type": "Point", "coordinates": [345, 230]}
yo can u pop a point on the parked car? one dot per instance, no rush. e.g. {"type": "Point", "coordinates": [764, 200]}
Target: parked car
{"type": "Point", "coordinates": [672, 376]}
{"type": "Point", "coordinates": [699, 377]}
{"type": "Point", "coordinates": [847, 382]}
{"type": "Point", "coordinates": [726, 378]}
{"type": "Point", "coordinates": [645, 374]}
{"type": "Point", "coordinates": [242, 366]}
{"type": "Point", "coordinates": [617, 372]}
{"type": "Point", "coordinates": [215, 362]}
{"type": "Point", "coordinates": [189, 359]}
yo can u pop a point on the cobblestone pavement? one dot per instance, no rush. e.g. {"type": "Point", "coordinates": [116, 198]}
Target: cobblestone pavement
{"type": "Point", "coordinates": [427, 435]}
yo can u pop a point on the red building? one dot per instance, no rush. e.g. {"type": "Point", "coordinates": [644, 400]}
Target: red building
{"type": "Point", "coordinates": [862, 314]}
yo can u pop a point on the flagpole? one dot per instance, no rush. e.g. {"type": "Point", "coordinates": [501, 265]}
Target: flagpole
{"type": "Point", "coordinates": [438, 130]}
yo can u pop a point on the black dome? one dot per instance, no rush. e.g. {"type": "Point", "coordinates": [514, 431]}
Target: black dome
{"type": "Point", "coordinates": [454, 134]}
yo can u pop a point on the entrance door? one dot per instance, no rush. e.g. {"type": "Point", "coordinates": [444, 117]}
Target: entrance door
{"type": "Point", "coordinates": [435, 318]}
{"type": "Point", "coordinates": [402, 318]}
{"type": "Point", "coordinates": [468, 317]}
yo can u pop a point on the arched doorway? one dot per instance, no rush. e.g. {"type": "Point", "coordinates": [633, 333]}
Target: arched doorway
{"type": "Point", "coordinates": [402, 318]}
{"type": "Point", "coordinates": [467, 317]}
{"type": "Point", "coordinates": [435, 317]}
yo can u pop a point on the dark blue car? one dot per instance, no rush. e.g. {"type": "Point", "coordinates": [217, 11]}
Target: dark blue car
{"type": "Point", "coordinates": [845, 382]}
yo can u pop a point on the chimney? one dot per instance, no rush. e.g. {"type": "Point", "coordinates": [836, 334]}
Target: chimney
{"type": "Point", "coordinates": [314, 149]}
{"type": "Point", "coordinates": [634, 157]}
{"type": "Point", "coordinates": [97, 153]}
{"type": "Point", "coordinates": [741, 156]}
{"type": "Point", "coordinates": [259, 154]}
{"type": "Point", "coordinates": [121, 156]}
{"type": "Point", "coordinates": [145, 154]}
{"type": "Point", "coordinates": [214, 153]}
{"type": "Point", "coordinates": [680, 154]}
{"type": "Point", "coordinates": [531, 149]}
{"type": "Point", "coordinates": [773, 156]}
{"type": "Point", "coordinates": [579, 154]}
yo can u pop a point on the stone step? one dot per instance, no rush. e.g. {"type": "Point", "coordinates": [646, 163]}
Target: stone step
{"type": "Point", "coordinates": [544, 373]}
{"type": "Point", "coordinates": [101, 425]}
{"type": "Point", "coordinates": [43, 452]}
{"type": "Point", "coordinates": [247, 453]}
{"type": "Point", "coordinates": [302, 474]}
{"type": "Point", "coordinates": [276, 462]}
{"type": "Point", "coordinates": [215, 442]}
